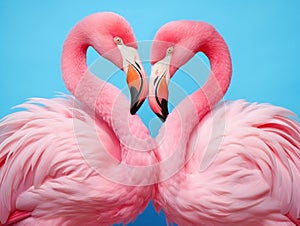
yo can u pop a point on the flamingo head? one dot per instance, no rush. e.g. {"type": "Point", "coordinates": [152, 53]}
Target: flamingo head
{"type": "Point", "coordinates": [174, 44]}
{"type": "Point", "coordinates": [112, 37]}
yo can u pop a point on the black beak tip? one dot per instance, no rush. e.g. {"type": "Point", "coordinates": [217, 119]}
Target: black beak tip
{"type": "Point", "coordinates": [135, 106]}
{"type": "Point", "coordinates": [164, 110]}
{"type": "Point", "coordinates": [162, 117]}
{"type": "Point", "coordinates": [133, 109]}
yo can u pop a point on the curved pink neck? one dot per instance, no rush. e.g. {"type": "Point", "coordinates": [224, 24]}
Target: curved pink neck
{"type": "Point", "coordinates": [218, 81]}
{"type": "Point", "coordinates": [104, 99]}
{"type": "Point", "coordinates": [201, 101]}
{"type": "Point", "coordinates": [73, 62]}
{"type": "Point", "coordinates": [81, 82]}
{"type": "Point", "coordinates": [192, 109]}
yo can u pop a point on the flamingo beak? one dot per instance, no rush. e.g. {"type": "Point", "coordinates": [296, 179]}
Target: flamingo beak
{"type": "Point", "coordinates": [158, 95]}
{"type": "Point", "coordinates": [136, 77]}
{"type": "Point", "coordinates": [138, 86]}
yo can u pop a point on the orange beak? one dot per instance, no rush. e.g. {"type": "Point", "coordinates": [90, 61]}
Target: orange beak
{"type": "Point", "coordinates": [136, 76]}
{"type": "Point", "coordinates": [138, 86]}
{"type": "Point", "coordinates": [158, 88]}
{"type": "Point", "coordinates": [158, 98]}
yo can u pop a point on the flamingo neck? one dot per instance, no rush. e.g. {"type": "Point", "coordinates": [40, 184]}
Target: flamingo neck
{"type": "Point", "coordinates": [218, 81]}
{"type": "Point", "coordinates": [105, 100]}
{"type": "Point", "coordinates": [82, 83]}
{"type": "Point", "coordinates": [191, 110]}
{"type": "Point", "coordinates": [73, 62]}
{"type": "Point", "coordinates": [194, 107]}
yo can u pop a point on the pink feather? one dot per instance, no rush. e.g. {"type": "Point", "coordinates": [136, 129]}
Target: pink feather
{"type": "Point", "coordinates": [83, 161]}
{"type": "Point", "coordinates": [231, 163]}
{"type": "Point", "coordinates": [45, 174]}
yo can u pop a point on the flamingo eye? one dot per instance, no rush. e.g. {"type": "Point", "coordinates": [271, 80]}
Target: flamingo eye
{"type": "Point", "coordinates": [170, 50]}
{"type": "Point", "coordinates": [118, 40]}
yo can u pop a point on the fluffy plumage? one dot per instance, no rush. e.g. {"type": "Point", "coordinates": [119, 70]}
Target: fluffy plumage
{"type": "Point", "coordinates": [229, 164]}
{"type": "Point", "coordinates": [242, 168]}
{"type": "Point", "coordinates": [45, 168]}
{"type": "Point", "coordinates": [79, 162]}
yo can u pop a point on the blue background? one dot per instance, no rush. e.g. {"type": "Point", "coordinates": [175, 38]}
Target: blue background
{"type": "Point", "coordinates": [263, 37]}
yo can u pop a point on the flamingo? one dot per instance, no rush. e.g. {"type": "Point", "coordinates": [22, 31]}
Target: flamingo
{"type": "Point", "coordinates": [227, 163]}
{"type": "Point", "coordinates": [80, 160]}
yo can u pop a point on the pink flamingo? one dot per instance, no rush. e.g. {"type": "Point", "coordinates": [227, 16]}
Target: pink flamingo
{"type": "Point", "coordinates": [77, 162]}
{"type": "Point", "coordinates": [234, 163]}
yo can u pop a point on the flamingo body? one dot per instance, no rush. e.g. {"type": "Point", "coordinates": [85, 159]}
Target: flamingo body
{"type": "Point", "coordinates": [230, 163]}
{"type": "Point", "coordinates": [242, 167]}
{"type": "Point", "coordinates": [44, 172]}
{"type": "Point", "coordinates": [74, 160]}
